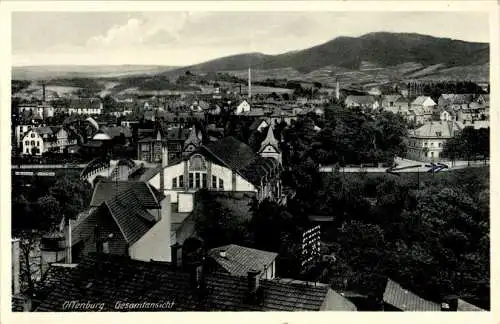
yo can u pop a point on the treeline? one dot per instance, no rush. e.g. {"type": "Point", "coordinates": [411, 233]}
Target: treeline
{"type": "Point", "coordinates": [470, 144]}
{"type": "Point", "coordinates": [435, 89]}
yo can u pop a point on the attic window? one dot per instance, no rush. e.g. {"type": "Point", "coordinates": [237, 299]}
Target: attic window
{"type": "Point", "coordinates": [438, 134]}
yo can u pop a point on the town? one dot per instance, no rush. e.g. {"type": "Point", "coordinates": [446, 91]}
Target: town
{"type": "Point", "coordinates": [195, 190]}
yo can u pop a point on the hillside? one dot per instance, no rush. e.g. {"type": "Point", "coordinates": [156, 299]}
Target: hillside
{"type": "Point", "coordinates": [40, 72]}
{"type": "Point", "coordinates": [382, 49]}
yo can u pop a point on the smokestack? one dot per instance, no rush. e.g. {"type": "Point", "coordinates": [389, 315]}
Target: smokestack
{"type": "Point", "coordinates": [16, 267]}
{"type": "Point", "coordinates": [249, 83]}
{"type": "Point", "coordinates": [164, 163]}
{"type": "Point", "coordinates": [253, 282]}
{"type": "Point", "coordinates": [43, 91]}
{"type": "Point", "coordinates": [176, 257]}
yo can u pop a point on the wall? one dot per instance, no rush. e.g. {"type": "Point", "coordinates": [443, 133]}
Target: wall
{"type": "Point", "coordinates": [225, 174]}
{"type": "Point", "coordinates": [155, 244]}
{"type": "Point", "coordinates": [243, 185]}
{"type": "Point", "coordinates": [186, 201]}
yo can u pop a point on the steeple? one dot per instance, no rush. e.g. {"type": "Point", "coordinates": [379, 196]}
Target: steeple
{"type": "Point", "coordinates": [270, 139]}
{"type": "Point", "coordinates": [269, 146]}
{"type": "Point", "coordinates": [249, 83]}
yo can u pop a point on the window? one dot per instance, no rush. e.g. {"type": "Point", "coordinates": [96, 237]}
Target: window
{"type": "Point", "coordinates": [432, 144]}
{"type": "Point", "coordinates": [221, 184]}
{"type": "Point", "coordinates": [214, 182]}
{"type": "Point", "coordinates": [27, 151]}
{"type": "Point", "coordinates": [27, 143]}
{"type": "Point", "coordinates": [191, 180]}
{"type": "Point", "coordinates": [204, 180]}
{"type": "Point", "coordinates": [425, 143]}
{"type": "Point", "coordinates": [33, 143]}
{"type": "Point", "coordinates": [438, 134]}
{"type": "Point", "coordinates": [440, 144]}
{"type": "Point", "coordinates": [32, 135]}
{"type": "Point", "coordinates": [198, 185]}
{"type": "Point", "coordinates": [174, 182]}
{"type": "Point", "coordinates": [181, 181]}
{"type": "Point", "coordinates": [145, 147]}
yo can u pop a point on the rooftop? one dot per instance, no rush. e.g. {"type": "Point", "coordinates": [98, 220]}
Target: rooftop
{"type": "Point", "coordinates": [405, 300]}
{"type": "Point", "coordinates": [238, 260]}
{"type": "Point", "coordinates": [109, 278]}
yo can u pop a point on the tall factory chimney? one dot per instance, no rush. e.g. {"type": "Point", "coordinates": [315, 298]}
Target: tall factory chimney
{"type": "Point", "coordinates": [249, 83]}
{"type": "Point", "coordinates": [337, 90]}
{"type": "Point", "coordinates": [43, 91]}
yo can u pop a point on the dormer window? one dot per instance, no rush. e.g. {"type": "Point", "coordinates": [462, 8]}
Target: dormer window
{"type": "Point", "coordinates": [438, 134]}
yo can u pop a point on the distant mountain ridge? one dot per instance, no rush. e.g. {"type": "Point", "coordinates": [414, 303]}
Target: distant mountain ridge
{"type": "Point", "coordinates": [36, 72]}
{"type": "Point", "coordinates": [381, 48]}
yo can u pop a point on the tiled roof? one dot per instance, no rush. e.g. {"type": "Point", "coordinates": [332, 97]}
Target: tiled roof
{"type": "Point", "coordinates": [107, 189]}
{"type": "Point", "coordinates": [233, 153]}
{"type": "Point", "coordinates": [391, 98]}
{"type": "Point", "coordinates": [238, 260]}
{"type": "Point", "coordinates": [454, 98]}
{"type": "Point", "coordinates": [430, 129]}
{"type": "Point", "coordinates": [110, 278]}
{"type": "Point", "coordinates": [116, 131]}
{"type": "Point", "coordinates": [405, 300]}
{"type": "Point", "coordinates": [133, 219]}
{"type": "Point", "coordinates": [421, 100]}
{"type": "Point", "coordinates": [361, 100]}
{"type": "Point", "coordinates": [464, 306]}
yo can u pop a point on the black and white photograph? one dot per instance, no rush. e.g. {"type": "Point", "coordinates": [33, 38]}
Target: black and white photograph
{"type": "Point", "coordinates": [250, 160]}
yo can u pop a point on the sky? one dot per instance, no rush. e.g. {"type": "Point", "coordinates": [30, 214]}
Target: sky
{"type": "Point", "coordinates": [184, 38]}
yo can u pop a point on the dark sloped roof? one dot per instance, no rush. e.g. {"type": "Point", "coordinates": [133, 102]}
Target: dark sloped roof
{"type": "Point", "coordinates": [233, 153]}
{"type": "Point", "coordinates": [238, 260]}
{"type": "Point", "coordinates": [107, 189]}
{"type": "Point", "coordinates": [464, 306]}
{"type": "Point", "coordinates": [111, 278]}
{"type": "Point", "coordinates": [132, 219]}
{"type": "Point", "coordinates": [405, 300]}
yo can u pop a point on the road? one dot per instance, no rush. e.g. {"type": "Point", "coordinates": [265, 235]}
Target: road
{"type": "Point", "coordinates": [405, 163]}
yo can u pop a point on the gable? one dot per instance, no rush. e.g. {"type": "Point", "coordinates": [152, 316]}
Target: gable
{"type": "Point", "coordinates": [269, 149]}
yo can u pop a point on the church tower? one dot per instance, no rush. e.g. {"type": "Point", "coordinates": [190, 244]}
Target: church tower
{"type": "Point", "coordinates": [192, 142]}
{"type": "Point", "coordinates": [269, 146]}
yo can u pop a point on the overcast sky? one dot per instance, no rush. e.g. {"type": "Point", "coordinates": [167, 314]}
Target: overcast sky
{"type": "Point", "coordinates": [183, 38]}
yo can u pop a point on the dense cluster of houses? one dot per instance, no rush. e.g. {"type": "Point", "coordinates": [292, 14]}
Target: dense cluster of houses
{"type": "Point", "coordinates": [138, 233]}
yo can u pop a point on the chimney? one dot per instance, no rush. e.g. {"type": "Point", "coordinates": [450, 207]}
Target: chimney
{"type": "Point", "coordinates": [249, 83]}
{"type": "Point", "coordinates": [197, 275]}
{"type": "Point", "coordinates": [164, 163]}
{"type": "Point", "coordinates": [176, 258]}
{"type": "Point", "coordinates": [43, 91]}
{"type": "Point", "coordinates": [16, 267]}
{"type": "Point", "coordinates": [253, 282]}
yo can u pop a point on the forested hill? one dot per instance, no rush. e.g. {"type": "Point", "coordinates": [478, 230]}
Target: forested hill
{"type": "Point", "coordinates": [382, 48]}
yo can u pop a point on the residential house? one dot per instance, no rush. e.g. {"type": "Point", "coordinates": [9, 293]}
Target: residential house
{"type": "Point", "coordinates": [447, 115]}
{"type": "Point", "coordinates": [226, 165]}
{"type": "Point", "coordinates": [389, 102]}
{"type": "Point", "coordinates": [454, 101]}
{"type": "Point", "coordinates": [129, 218]}
{"type": "Point", "coordinates": [102, 279]}
{"type": "Point", "coordinates": [426, 143]}
{"type": "Point", "coordinates": [423, 102]}
{"type": "Point", "coordinates": [41, 110]}
{"type": "Point", "coordinates": [421, 109]}
{"type": "Point", "coordinates": [242, 107]}
{"type": "Point", "coordinates": [238, 260]}
{"type": "Point", "coordinates": [174, 139]}
{"type": "Point", "coordinates": [43, 139]}
{"type": "Point", "coordinates": [365, 102]}
{"type": "Point", "coordinates": [85, 106]}
{"type": "Point", "coordinates": [20, 131]}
